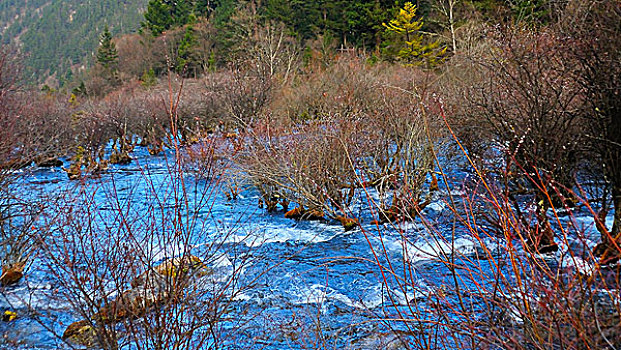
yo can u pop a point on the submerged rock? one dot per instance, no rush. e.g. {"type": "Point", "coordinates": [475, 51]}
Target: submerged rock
{"type": "Point", "coordinates": [120, 158]}
{"type": "Point", "coordinates": [172, 271]}
{"type": "Point", "coordinates": [348, 223]}
{"type": "Point", "coordinates": [130, 304]}
{"type": "Point", "coordinates": [74, 172]}
{"type": "Point", "coordinates": [152, 288]}
{"type": "Point", "coordinates": [156, 148]}
{"type": "Point", "coordinates": [294, 213]}
{"type": "Point", "coordinates": [81, 333]}
{"type": "Point", "coordinates": [384, 341]}
{"type": "Point", "coordinates": [49, 162]}
{"type": "Point", "coordinates": [300, 213]}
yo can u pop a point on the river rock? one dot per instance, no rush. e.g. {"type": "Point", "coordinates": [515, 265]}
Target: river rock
{"type": "Point", "coordinates": [11, 274]}
{"type": "Point", "coordinates": [300, 213]}
{"type": "Point", "coordinates": [130, 304]}
{"type": "Point", "coordinates": [151, 288]}
{"type": "Point", "coordinates": [49, 162]}
{"type": "Point", "coordinates": [74, 172]}
{"type": "Point", "coordinates": [173, 270]}
{"type": "Point", "coordinates": [81, 333]}
{"type": "Point", "coordinates": [348, 223]}
{"type": "Point", "coordinates": [120, 158]}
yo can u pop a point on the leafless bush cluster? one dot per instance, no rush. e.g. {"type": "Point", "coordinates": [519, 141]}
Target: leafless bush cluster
{"type": "Point", "coordinates": [530, 109]}
{"type": "Point", "coordinates": [342, 130]}
{"type": "Point", "coordinates": [137, 264]}
{"type": "Point", "coordinates": [488, 292]}
{"type": "Point", "coordinates": [526, 115]}
{"type": "Point", "coordinates": [527, 106]}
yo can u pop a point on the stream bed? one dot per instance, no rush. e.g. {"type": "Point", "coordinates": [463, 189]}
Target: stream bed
{"type": "Point", "coordinates": [290, 284]}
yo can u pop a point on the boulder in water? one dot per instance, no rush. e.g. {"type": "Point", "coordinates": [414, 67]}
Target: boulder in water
{"type": "Point", "coordinates": [49, 162]}
{"type": "Point", "coordinates": [120, 158]}
{"type": "Point", "coordinates": [305, 214]}
{"type": "Point", "coordinates": [348, 223]}
{"type": "Point", "coordinates": [130, 304]}
{"type": "Point", "coordinates": [151, 288]}
{"type": "Point", "coordinates": [294, 213]}
{"type": "Point", "coordinates": [172, 271]}
{"type": "Point", "coordinates": [81, 333]}
{"type": "Point", "coordinates": [11, 274]}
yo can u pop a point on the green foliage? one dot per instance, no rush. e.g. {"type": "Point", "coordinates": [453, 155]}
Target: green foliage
{"type": "Point", "coordinates": [202, 8]}
{"type": "Point", "coordinates": [148, 78]}
{"type": "Point", "coordinates": [107, 55]}
{"type": "Point", "coordinates": [186, 60]}
{"type": "Point", "coordinates": [410, 42]}
{"type": "Point", "coordinates": [60, 36]}
{"type": "Point", "coordinates": [157, 18]}
{"type": "Point", "coordinates": [211, 62]}
{"type": "Point", "coordinates": [162, 15]}
{"type": "Point", "coordinates": [79, 90]}
{"type": "Point", "coordinates": [530, 11]}
{"type": "Point", "coordinates": [47, 89]}
{"type": "Point", "coordinates": [356, 22]}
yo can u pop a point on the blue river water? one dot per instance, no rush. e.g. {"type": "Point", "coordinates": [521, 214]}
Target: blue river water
{"type": "Point", "coordinates": [284, 284]}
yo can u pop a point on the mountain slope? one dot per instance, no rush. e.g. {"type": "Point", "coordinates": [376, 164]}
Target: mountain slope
{"type": "Point", "coordinates": [59, 37]}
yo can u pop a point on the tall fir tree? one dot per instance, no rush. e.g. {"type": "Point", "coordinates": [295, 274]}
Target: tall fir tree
{"type": "Point", "coordinates": [162, 15]}
{"type": "Point", "coordinates": [107, 54]}
{"type": "Point", "coordinates": [158, 17]}
{"type": "Point", "coordinates": [409, 41]}
{"type": "Point", "coordinates": [186, 60]}
{"type": "Point", "coordinates": [202, 8]}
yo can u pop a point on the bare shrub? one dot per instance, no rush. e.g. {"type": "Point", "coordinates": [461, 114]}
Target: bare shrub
{"type": "Point", "coordinates": [349, 129]}
{"type": "Point", "coordinates": [487, 291]}
{"type": "Point", "coordinates": [139, 265]}
{"type": "Point", "coordinates": [10, 106]}
{"type": "Point", "coordinates": [526, 106]}
{"type": "Point", "coordinates": [595, 27]}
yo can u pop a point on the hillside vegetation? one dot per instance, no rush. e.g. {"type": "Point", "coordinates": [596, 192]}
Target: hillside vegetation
{"type": "Point", "coordinates": [59, 37]}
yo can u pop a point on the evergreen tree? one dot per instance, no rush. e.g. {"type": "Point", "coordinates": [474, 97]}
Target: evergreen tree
{"type": "Point", "coordinates": [162, 15]}
{"type": "Point", "coordinates": [158, 17]}
{"type": "Point", "coordinates": [148, 78]}
{"type": "Point", "coordinates": [107, 55]}
{"type": "Point", "coordinates": [79, 90]}
{"type": "Point", "coordinates": [186, 60]}
{"type": "Point", "coordinates": [202, 8]}
{"type": "Point", "coordinates": [409, 41]}
{"type": "Point", "coordinates": [181, 11]}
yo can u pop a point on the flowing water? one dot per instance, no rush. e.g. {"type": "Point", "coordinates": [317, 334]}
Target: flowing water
{"type": "Point", "coordinates": [296, 284]}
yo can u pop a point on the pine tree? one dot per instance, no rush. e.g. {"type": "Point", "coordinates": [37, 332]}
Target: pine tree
{"type": "Point", "coordinates": [203, 8]}
{"type": "Point", "coordinates": [107, 55]}
{"type": "Point", "coordinates": [162, 15]}
{"type": "Point", "coordinates": [186, 60]}
{"type": "Point", "coordinates": [413, 50]}
{"type": "Point", "coordinates": [158, 17]}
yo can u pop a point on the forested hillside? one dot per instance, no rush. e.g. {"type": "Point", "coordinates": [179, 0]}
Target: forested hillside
{"type": "Point", "coordinates": [59, 37]}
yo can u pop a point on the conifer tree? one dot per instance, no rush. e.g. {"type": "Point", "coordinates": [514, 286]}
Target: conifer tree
{"type": "Point", "coordinates": [107, 55]}
{"type": "Point", "coordinates": [413, 50]}
{"type": "Point", "coordinates": [203, 8]}
{"type": "Point", "coordinates": [158, 17]}
{"type": "Point", "coordinates": [186, 60]}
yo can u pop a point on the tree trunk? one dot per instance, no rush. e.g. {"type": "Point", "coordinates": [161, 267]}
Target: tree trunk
{"type": "Point", "coordinates": [609, 249]}
{"type": "Point", "coordinates": [541, 237]}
